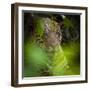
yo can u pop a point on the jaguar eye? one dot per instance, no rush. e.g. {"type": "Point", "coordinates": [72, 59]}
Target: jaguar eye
{"type": "Point", "coordinates": [46, 35]}
{"type": "Point", "coordinates": [58, 33]}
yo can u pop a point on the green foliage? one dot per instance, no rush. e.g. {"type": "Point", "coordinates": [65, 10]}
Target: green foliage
{"type": "Point", "coordinates": [35, 59]}
{"type": "Point", "coordinates": [72, 53]}
{"type": "Point", "coordinates": [66, 61]}
{"type": "Point", "coordinates": [39, 27]}
{"type": "Point", "coordinates": [63, 62]}
{"type": "Point", "coordinates": [68, 23]}
{"type": "Point", "coordinates": [59, 62]}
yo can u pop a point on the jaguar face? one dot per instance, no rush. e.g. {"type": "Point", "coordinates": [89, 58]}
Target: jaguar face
{"type": "Point", "coordinates": [53, 35]}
